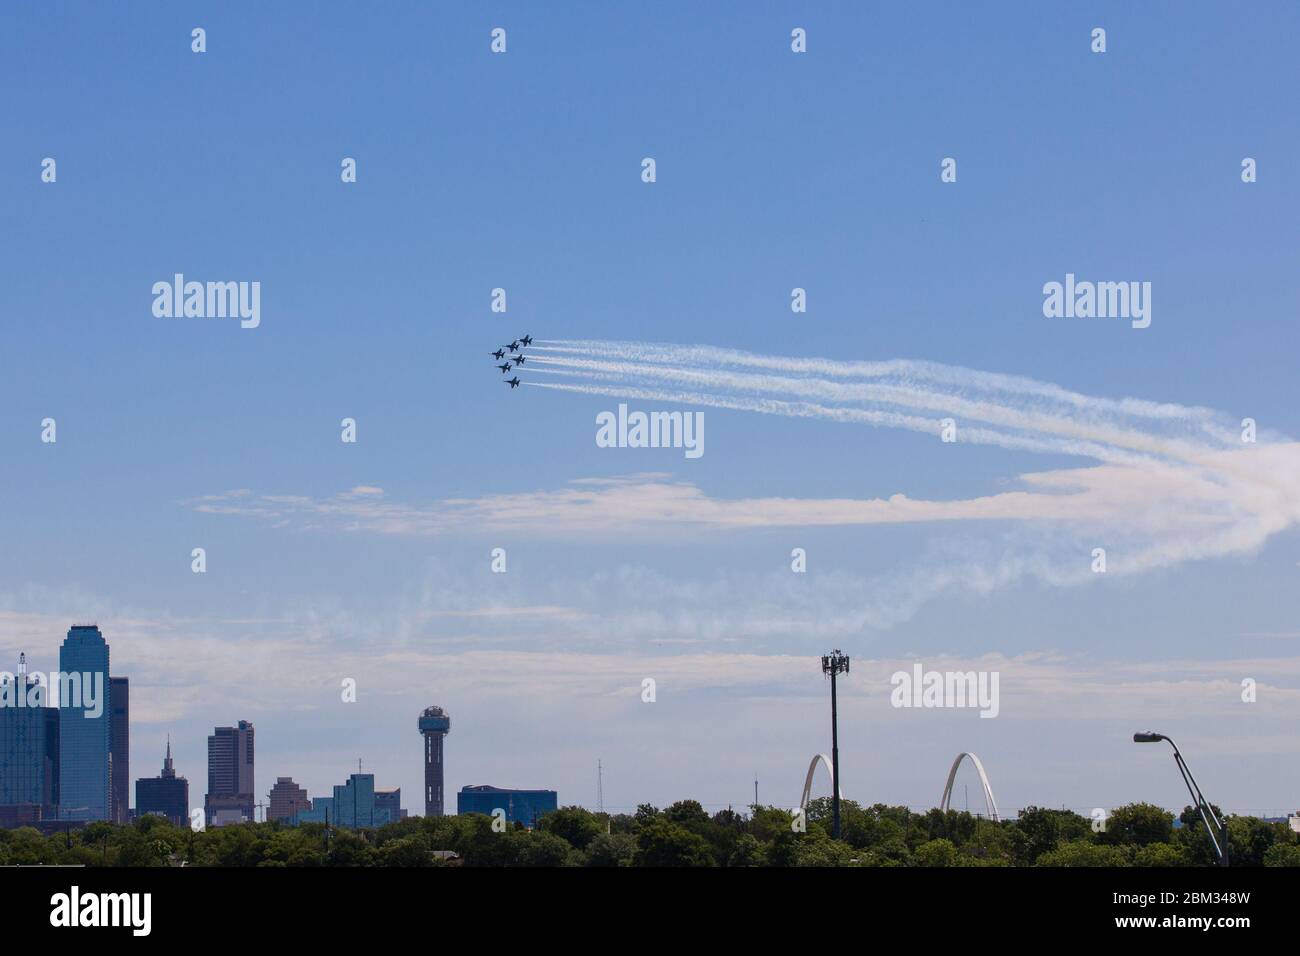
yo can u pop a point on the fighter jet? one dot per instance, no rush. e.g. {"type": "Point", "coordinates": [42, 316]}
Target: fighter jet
{"type": "Point", "coordinates": [504, 368]}
{"type": "Point", "coordinates": [513, 382]}
{"type": "Point", "coordinates": [520, 359]}
{"type": "Point", "coordinates": [513, 346]}
{"type": "Point", "coordinates": [497, 354]}
{"type": "Point", "coordinates": [526, 340]}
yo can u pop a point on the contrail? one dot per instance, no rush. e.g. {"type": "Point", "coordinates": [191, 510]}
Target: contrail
{"type": "Point", "coordinates": [770, 406]}
{"type": "Point", "coordinates": [1178, 480]}
{"type": "Point", "coordinates": [903, 394]}
{"type": "Point", "coordinates": [905, 369]}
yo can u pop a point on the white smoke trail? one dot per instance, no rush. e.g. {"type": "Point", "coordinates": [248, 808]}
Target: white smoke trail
{"type": "Point", "coordinates": [903, 369]}
{"type": "Point", "coordinates": [1062, 421]}
{"type": "Point", "coordinates": [1175, 482]}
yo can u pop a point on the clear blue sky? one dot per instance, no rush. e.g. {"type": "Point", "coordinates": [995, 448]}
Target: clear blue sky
{"type": "Point", "coordinates": [522, 171]}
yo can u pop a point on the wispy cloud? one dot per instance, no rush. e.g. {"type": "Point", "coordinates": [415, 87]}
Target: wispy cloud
{"type": "Point", "coordinates": [298, 663]}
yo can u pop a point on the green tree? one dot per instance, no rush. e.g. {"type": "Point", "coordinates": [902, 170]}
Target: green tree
{"type": "Point", "coordinates": [768, 823]}
{"type": "Point", "coordinates": [1039, 829]}
{"type": "Point", "coordinates": [819, 849]}
{"type": "Point", "coordinates": [576, 825]}
{"type": "Point", "coordinates": [1138, 824]}
{"type": "Point", "coordinates": [991, 844]}
{"type": "Point", "coordinates": [1250, 839]}
{"type": "Point", "coordinates": [940, 852]}
{"type": "Point", "coordinates": [748, 851]}
{"type": "Point", "coordinates": [1162, 854]}
{"type": "Point", "coordinates": [1282, 854]}
{"type": "Point", "coordinates": [686, 812]}
{"type": "Point", "coordinates": [611, 849]}
{"type": "Point", "coordinates": [28, 848]}
{"type": "Point", "coordinates": [662, 843]}
{"type": "Point", "coordinates": [349, 848]}
{"type": "Point", "coordinates": [1083, 853]}
{"type": "Point", "coordinates": [405, 851]}
{"type": "Point", "coordinates": [539, 848]}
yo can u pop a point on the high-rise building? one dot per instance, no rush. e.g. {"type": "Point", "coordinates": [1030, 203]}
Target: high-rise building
{"type": "Point", "coordinates": [50, 788]}
{"type": "Point", "coordinates": [119, 702]}
{"type": "Point", "coordinates": [230, 794]}
{"type": "Point", "coordinates": [85, 726]}
{"type": "Point", "coordinates": [523, 806]}
{"type": "Point", "coordinates": [29, 750]}
{"type": "Point", "coordinates": [353, 805]}
{"type": "Point", "coordinates": [166, 794]}
{"type": "Point", "coordinates": [287, 799]}
{"type": "Point", "coordinates": [435, 724]}
{"type": "Point", "coordinates": [354, 801]}
{"type": "Point", "coordinates": [391, 800]}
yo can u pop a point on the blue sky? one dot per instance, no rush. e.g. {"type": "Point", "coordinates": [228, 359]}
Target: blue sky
{"type": "Point", "coordinates": [522, 171]}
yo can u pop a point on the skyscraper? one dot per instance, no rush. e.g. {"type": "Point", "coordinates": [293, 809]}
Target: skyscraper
{"type": "Point", "coordinates": [230, 775]}
{"type": "Point", "coordinates": [390, 800]}
{"type": "Point", "coordinates": [29, 750]}
{"type": "Point", "coordinates": [166, 794]}
{"type": "Point", "coordinates": [85, 726]}
{"type": "Point", "coordinates": [435, 724]}
{"type": "Point", "coordinates": [119, 702]}
{"type": "Point", "coordinates": [287, 799]}
{"type": "Point", "coordinates": [354, 804]}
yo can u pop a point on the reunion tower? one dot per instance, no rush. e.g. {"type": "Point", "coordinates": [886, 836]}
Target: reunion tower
{"type": "Point", "coordinates": [434, 725]}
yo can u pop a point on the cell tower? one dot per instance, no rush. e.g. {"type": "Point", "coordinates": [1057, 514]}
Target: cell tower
{"type": "Point", "coordinates": [600, 787]}
{"type": "Point", "coordinates": [435, 724]}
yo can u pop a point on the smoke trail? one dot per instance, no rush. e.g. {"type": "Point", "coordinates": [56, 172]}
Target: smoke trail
{"type": "Point", "coordinates": [1045, 418]}
{"type": "Point", "coordinates": [1174, 481]}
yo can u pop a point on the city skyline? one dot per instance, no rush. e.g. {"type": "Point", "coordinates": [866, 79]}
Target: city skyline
{"type": "Point", "coordinates": [256, 807]}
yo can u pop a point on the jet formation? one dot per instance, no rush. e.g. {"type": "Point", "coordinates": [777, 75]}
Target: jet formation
{"type": "Point", "coordinates": [514, 357]}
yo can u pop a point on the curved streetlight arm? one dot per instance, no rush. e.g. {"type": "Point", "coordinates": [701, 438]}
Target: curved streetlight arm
{"type": "Point", "coordinates": [1202, 805]}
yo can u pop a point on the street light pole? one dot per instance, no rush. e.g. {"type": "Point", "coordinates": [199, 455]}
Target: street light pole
{"type": "Point", "coordinates": [833, 664]}
{"type": "Point", "coordinates": [1206, 811]}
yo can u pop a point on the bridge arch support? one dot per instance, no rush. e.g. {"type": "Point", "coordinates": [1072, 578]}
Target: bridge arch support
{"type": "Point", "coordinates": [989, 803]}
{"type": "Point", "coordinates": [812, 768]}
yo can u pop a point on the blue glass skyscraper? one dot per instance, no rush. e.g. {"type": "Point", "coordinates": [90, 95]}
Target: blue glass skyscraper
{"type": "Point", "coordinates": [85, 726]}
{"type": "Point", "coordinates": [29, 738]}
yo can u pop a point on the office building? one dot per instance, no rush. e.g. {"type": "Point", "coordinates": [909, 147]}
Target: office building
{"type": "Point", "coordinates": [391, 800]}
{"type": "Point", "coordinates": [119, 702]}
{"type": "Point", "coordinates": [352, 805]}
{"type": "Point", "coordinates": [85, 726]}
{"type": "Point", "coordinates": [287, 800]}
{"type": "Point", "coordinates": [319, 810]}
{"type": "Point", "coordinates": [520, 806]}
{"type": "Point", "coordinates": [29, 750]}
{"type": "Point", "coordinates": [230, 797]}
{"type": "Point", "coordinates": [166, 795]}
{"type": "Point", "coordinates": [435, 724]}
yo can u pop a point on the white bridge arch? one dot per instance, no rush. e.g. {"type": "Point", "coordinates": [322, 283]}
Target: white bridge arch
{"type": "Point", "coordinates": [812, 768]}
{"type": "Point", "coordinates": [989, 803]}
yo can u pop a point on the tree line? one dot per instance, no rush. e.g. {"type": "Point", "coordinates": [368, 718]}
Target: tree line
{"type": "Point", "coordinates": [683, 834]}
